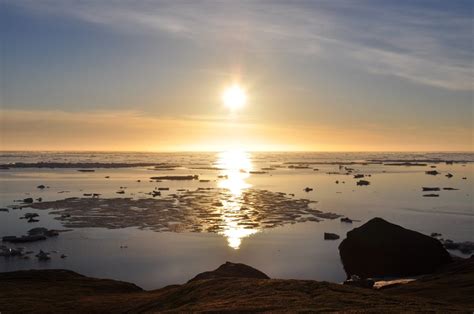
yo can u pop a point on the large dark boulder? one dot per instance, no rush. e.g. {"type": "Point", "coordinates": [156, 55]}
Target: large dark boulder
{"type": "Point", "coordinates": [380, 249]}
{"type": "Point", "coordinates": [233, 270]}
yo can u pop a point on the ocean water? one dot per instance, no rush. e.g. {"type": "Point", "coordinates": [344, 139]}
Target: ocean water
{"type": "Point", "coordinates": [292, 248]}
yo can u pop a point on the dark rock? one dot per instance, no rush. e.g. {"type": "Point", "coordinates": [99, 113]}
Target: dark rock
{"type": "Point", "coordinates": [23, 239]}
{"type": "Point", "coordinates": [330, 236]}
{"type": "Point", "coordinates": [432, 172]}
{"type": "Point", "coordinates": [41, 186]}
{"type": "Point", "coordinates": [4, 210]}
{"type": "Point", "coordinates": [346, 219]}
{"type": "Point", "coordinates": [379, 248]}
{"type": "Point", "coordinates": [29, 215]}
{"type": "Point", "coordinates": [431, 195]}
{"type": "Point", "coordinates": [363, 182]}
{"type": "Point", "coordinates": [51, 233]}
{"type": "Point", "coordinates": [449, 175]}
{"type": "Point", "coordinates": [308, 189]}
{"type": "Point", "coordinates": [120, 192]}
{"type": "Point", "coordinates": [358, 176]}
{"type": "Point", "coordinates": [435, 234]}
{"type": "Point", "coordinates": [232, 270]}
{"type": "Point", "coordinates": [28, 200]}
{"type": "Point", "coordinates": [8, 238]}
{"type": "Point", "coordinates": [450, 189]}
{"type": "Point", "coordinates": [43, 256]}
{"type": "Point", "coordinates": [426, 189]}
{"type": "Point", "coordinates": [36, 231]}
{"type": "Point", "coordinates": [86, 170]}
{"type": "Point", "coordinates": [356, 281]}
{"type": "Point", "coordinates": [43, 232]}
{"type": "Point", "coordinates": [185, 177]}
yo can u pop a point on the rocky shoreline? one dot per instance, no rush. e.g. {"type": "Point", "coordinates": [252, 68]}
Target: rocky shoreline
{"type": "Point", "coordinates": [234, 288]}
{"type": "Point", "coordinates": [375, 249]}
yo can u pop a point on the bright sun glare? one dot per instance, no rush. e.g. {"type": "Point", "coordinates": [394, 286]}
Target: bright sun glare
{"type": "Point", "coordinates": [234, 97]}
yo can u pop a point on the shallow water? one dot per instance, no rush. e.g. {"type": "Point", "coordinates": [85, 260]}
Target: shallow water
{"type": "Point", "coordinates": [292, 250]}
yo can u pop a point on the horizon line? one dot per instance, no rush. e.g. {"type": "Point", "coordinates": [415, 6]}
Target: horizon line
{"type": "Point", "coordinates": [249, 151]}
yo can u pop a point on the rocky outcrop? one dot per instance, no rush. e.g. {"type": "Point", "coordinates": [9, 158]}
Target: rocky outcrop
{"type": "Point", "coordinates": [231, 270]}
{"type": "Point", "coordinates": [379, 249]}
{"type": "Point", "coordinates": [330, 236]}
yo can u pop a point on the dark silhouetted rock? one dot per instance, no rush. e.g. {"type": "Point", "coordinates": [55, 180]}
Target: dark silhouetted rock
{"type": "Point", "coordinates": [346, 220]}
{"type": "Point", "coordinates": [36, 231]}
{"type": "Point", "coordinates": [432, 172]}
{"type": "Point", "coordinates": [28, 200]}
{"type": "Point", "coordinates": [379, 248]}
{"type": "Point", "coordinates": [43, 256]}
{"type": "Point", "coordinates": [232, 270]}
{"type": "Point", "coordinates": [24, 239]}
{"type": "Point", "coordinates": [330, 236]}
{"type": "Point", "coordinates": [356, 281]}
{"type": "Point", "coordinates": [41, 186]}
{"type": "Point", "coordinates": [29, 215]}
{"type": "Point", "coordinates": [308, 189]}
{"type": "Point", "coordinates": [431, 195]}
{"type": "Point", "coordinates": [428, 189]}
{"type": "Point", "coordinates": [449, 175]}
{"type": "Point", "coordinates": [169, 178]}
{"type": "Point", "coordinates": [363, 182]}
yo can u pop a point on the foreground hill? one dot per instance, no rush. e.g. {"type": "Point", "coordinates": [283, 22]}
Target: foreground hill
{"type": "Point", "coordinates": [449, 290]}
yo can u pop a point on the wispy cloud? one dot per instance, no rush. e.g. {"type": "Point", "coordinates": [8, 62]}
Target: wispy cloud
{"type": "Point", "coordinates": [430, 44]}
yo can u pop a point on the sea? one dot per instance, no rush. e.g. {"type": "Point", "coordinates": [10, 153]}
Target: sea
{"type": "Point", "coordinates": [247, 207]}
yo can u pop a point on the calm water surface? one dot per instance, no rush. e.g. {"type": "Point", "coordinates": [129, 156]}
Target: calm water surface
{"type": "Point", "coordinates": [155, 259]}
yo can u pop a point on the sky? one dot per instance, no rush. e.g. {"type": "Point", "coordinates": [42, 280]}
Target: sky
{"type": "Point", "coordinates": [319, 75]}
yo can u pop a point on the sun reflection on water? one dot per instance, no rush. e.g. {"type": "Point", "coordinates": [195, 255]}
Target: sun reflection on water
{"type": "Point", "coordinates": [235, 167]}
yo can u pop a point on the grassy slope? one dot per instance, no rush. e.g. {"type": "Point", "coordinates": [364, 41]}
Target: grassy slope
{"type": "Point", "coordinates": [66, 291]}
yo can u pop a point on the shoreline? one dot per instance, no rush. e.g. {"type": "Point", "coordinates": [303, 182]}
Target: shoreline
{"type": "Point", "coordinates": [447, 290]}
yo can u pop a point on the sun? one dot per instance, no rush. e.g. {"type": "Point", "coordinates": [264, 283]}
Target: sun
{"type": "Point", "coordinates": [234, 97]}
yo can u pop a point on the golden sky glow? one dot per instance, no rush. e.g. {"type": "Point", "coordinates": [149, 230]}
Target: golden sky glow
{"type": "Point", "coordinates": [130, 131]}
